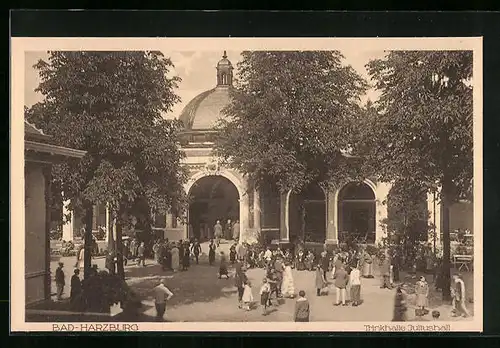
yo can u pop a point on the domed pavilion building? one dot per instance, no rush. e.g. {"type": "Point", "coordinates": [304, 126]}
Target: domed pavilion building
{"type": "Point", "coordinates": [217, 193]}
{"type": "Point", "coordinates": [354, 211]}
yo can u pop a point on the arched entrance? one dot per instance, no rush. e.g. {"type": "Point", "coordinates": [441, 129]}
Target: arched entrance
{"type": "Point", "coordinates": [211, 198]}
{"type": "Point", "coordinates": [357, 213]}
{"type": "Point", "coordinates": [307, 217]}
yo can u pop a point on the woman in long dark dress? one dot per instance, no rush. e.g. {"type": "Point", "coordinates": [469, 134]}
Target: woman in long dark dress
{"type": "Point", "coordinates": [181, 254]}
{"type": "Point", "coordinates": [211, 252]}
{"type": "Point", "coordinates": [186, 257]}
{"type": "Point", "coordinates": [399, 306]}
{"type": "Point", "coordinates": [396, 264]}
{"type": "Point", "coordinates": [168, 257]}
{"type": "Point", "coordinates": [223, 266]}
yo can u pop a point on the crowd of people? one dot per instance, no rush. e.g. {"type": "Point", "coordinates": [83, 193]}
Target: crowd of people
{"type": "Point", "coordinates": [341, 270]}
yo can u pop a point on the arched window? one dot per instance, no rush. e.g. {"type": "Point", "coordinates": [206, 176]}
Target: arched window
{"type": "Point", "coordinates": [307, 218]}
{"type": "Point", "coordinates": [356, 213]}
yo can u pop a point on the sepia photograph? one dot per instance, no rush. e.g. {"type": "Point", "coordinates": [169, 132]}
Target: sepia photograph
{"type": "Point", "coordinates": [173, 182]}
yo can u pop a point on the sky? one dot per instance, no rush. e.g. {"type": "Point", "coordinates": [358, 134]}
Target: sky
{"type": "Point", "coordinates": [197, 71]}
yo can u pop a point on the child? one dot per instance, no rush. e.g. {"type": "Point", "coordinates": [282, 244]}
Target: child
{"type": "Point", "coordinates": [422, 291]}
{"type": "Point", "coordinates": [247, 295]}
{"type": "Point", "coordinates": [232, 254]}
{"type": "Point", "coordinates": [265, 290]}
{"type": "Point", "coordinates": [301, 313]}
{"type": "Point", "coordinates": [355, 281]}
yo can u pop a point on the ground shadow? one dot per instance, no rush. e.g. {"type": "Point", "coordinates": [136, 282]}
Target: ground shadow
{"type": "Point", "coordinates": [199, 283]}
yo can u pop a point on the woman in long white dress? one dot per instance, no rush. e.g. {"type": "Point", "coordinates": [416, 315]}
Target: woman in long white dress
{"type": "Point", "coordinates": [287, 286]}
{"type": "Point", "coordinates": [175, 258]}
{"type": "Point", "coordinates": [81, 258]}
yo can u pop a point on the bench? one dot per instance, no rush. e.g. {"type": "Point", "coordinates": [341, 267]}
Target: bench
{"type": "Point", "coordinates": [462, 261]}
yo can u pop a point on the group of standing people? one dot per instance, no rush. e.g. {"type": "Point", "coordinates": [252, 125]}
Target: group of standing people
{"type": "Point", "coordinates": [230, 231]}
{"type": "Point", "coordinates": [278, 283]}
{"type": "Point", "coordinates": [176, 256]}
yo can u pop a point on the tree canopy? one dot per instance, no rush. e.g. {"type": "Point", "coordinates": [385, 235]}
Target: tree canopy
{"type": "Point", "coordinates": [291, 117]}
{"type": "Point", "coordinates": [111, 104]}
{"type": "Point", "coordinates": [420, 130]}
{"type": "Point", "coordinates": [421, 127]}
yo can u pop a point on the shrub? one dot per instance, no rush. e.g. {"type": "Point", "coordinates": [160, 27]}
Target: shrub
{"type": "Point", "coordinates": [103, 290]}
{"type": "Point", "coordinates": [372, 250]}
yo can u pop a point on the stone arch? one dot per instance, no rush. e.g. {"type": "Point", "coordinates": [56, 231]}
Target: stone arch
{"type": "Point", "coordinates": [237, 181]}
{"type": "Point", "coordinates": [239, 184]}
{"type": "Point", "coordinates": [368, 182]}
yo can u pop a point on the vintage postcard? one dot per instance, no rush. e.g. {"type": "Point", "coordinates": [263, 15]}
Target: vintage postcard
{"type": "Point", "coordinates": [195, 184]}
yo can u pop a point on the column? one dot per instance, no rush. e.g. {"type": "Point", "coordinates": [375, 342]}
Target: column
{"type": "Point", "coordinates": [108, 224]}
{"type": "Point", "coordinates": [186, 224]}
{"type": "Point", "coordinates": [256, 209]}
{"type": "Point", "coordinates": [332, 217]}
{"type": "Point", "coordinates": [243, 216]}
{"type": "Point", "coordinates": [284, 216]}
{"type": "Point", "coordinates": [434, 209]}
{"type": "Point", "coordinates": [381, 193]}
{"type": "Point", "coordinates": [68, 225]}
{"type": "Point", "coordinates": [168, 222]}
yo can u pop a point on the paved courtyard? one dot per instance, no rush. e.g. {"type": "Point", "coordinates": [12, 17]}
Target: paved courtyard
{"type": "Point", "coordinates": [200, 296]}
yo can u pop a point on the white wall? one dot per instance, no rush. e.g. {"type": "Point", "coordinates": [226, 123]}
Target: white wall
{"type": "Point", "coordinates": [36, 241]}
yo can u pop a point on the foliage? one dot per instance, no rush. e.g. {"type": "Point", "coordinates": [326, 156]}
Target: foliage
{"type": "Point", "coordinates": [290, 125]}
{"type": "Point", "coordinates": [111, 105]}
{"type": "Point", "coordinates": [406, 224]}
{"type": "Point", "coordinates": [420, 129]}
{"type": "Point", "coordinates": [103, 290]}
{"type": "Point", "coordinates": [372, 249]}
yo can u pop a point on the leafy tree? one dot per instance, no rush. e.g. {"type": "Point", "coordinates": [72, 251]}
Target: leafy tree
{"type": "Point", "coordinates": [407, 221]}
{"type": "Point", "coordinates": [111, 105]}
{"type": "Point", "coordinates": [421, 130]}
{"type": "Point", "coordinates": [291, 117]}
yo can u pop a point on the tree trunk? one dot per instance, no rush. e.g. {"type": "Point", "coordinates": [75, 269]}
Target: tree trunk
{"type": "Point", "coordinates": [119, 246]}
{"type": "Point", "coordinates": [111, 238]}
{"type": "Point", "coordinates": [87, 238]}
{"type": "Point", "coordinates": [445, 228]}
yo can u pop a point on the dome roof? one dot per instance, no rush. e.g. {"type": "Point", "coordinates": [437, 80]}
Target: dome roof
{"type": "Point", "coordinates": [224, 62]}
{"type": "Point", "coordinates": [204, 110]}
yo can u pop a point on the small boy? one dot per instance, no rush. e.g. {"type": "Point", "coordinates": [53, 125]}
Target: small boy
{"type": "Point", "coordinates": [301, 308]}
{"type": "Point", "coordinates": [265, 290]}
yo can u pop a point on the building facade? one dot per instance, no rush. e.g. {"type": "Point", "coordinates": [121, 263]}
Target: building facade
{"type": "Point", "coordinates": [355, 210]}
{"type": "Point", "coordinates": [217, 193]}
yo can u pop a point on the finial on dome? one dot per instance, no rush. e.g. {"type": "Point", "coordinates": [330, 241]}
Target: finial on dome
{"type": "Point", "coordinates": [224, 72]}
